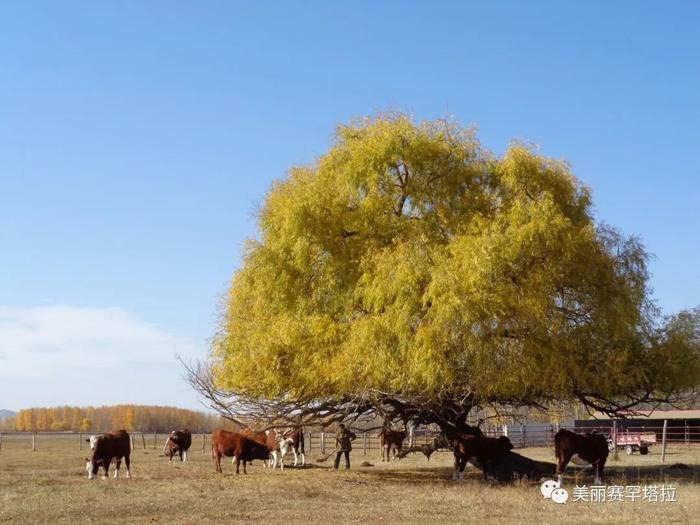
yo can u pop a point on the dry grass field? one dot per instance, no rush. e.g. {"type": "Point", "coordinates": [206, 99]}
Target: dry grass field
{"type": "Point", "coordinates": [50, 486]}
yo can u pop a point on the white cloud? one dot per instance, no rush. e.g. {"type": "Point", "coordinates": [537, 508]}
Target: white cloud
{"type": "Point", "coordinates": [46, 340]}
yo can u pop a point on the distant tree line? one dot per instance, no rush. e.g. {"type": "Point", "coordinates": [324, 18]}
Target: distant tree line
{"type": "Point", "coordinates": [106, 418]}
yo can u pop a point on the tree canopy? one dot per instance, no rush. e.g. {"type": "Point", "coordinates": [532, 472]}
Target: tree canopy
{"type": "Point", "coordinates": [410, 271]}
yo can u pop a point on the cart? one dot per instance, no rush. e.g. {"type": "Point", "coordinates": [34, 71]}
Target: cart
{"type": "Point", "coordinates": [631, 441]}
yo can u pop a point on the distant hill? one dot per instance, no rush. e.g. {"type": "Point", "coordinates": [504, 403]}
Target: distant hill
{"type": "Point", "coordinates": [7, 413]}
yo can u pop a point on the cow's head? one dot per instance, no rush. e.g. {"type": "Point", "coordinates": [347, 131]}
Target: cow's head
{"type": "Point", "coordinates": [93, 441]}
{"type": "Point", "coordinates": [505, 443]}
{"type": "Point", "coordinates": [91, 467]}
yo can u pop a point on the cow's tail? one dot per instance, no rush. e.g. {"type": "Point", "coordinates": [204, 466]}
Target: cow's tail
{"type": "Point", "coordinates": [557, 437]}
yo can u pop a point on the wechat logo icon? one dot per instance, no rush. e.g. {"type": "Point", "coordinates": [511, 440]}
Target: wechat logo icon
{"type": "Point", "coordinates": [550, 489]}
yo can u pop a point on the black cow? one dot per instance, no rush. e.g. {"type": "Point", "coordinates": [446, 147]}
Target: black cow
{"type": "Point", "coordinates": [479, 450]}
{"type": "Point", "coordinates": [582, 449]}
{"type": "Point", "coordinates": [178, 442]}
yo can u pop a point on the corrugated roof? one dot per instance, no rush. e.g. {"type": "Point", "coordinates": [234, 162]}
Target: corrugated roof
{"type": "Point", "coordinates": [659, 414]}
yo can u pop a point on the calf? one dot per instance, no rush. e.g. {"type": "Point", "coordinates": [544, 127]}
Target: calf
{"type": "Point", "coordinates": [480, 451]}
{"type": "Point", "coordinates": [293, 440]}
{"type": "Point", "coordinates": [178, 442]}
{"type": "Point", "coordinates": [582, 449]}
{"type": "Point", "coordinates": [240, 448]}
{"type": "Point", "coordinates": [391, 441]}
{"type": "Point", "coordinates": [107, 447]}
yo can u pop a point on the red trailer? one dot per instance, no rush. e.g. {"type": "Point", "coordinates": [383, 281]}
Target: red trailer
{"type": "Point", "coordinates": [631, 441]}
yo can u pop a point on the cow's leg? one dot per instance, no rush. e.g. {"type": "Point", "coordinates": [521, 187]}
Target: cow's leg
{"type": "Point", "coordinates": [303, 459]}
{"type": "Point", "coordinates": [238, 465]}
{"type": "Point", "coordinates": [105, 465]}
{"type": "Point", "coordinates": [217, 461]}
{"type": "Point", "coordinates": [118, 466]}
{"type": "Point", "coordinates": [562, 462]}
{"type": "Point", "coordinates": [184, 456]}
{"type": "Point", "coordinates": [296, 455]}
{"type": "Point", "coordinates": [244, 467]}
{"type": "Point", "coordinates": [127, 463]}
{"type": "Point", "coordinates": [462, 466]}
{"type": "Point", "coordinates": [599, 472]}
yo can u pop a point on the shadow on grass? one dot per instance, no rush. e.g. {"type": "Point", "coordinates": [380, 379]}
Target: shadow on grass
{"type": "Point", "coordinates": [516, 467]}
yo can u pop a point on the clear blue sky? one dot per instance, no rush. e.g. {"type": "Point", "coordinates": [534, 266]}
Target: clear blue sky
{"type": "Point", "coordinates": [137, 139]}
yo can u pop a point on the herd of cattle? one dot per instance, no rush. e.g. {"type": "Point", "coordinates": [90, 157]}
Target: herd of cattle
{"type": "Point", "coordinates": [271, 446]}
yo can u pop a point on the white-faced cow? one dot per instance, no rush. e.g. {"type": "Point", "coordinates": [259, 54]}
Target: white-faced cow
{"type": "Point", "coordinates": [292, 440]}
{"type": "Point", "coordinates": [391, 442]}
{"type": "Point", "coordinates": [237, 446]}
{"type": "Point", "coordinates": [582, 449]}
{"type": "Point", "coordinates": [178, 443]}
{"type": "Point", "coordinates": [108, 447]}
{"type": "Point", "coordinates": [480, 451]}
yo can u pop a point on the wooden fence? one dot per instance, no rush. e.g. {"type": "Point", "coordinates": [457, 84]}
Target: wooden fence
{"type": "Point", "coordinates": [367, 443]}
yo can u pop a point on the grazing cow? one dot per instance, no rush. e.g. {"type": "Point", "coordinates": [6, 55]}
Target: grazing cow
{"type": "Point", "coordinates": [178, 442]}
{"type": "Point", "coordinates": [391, 441]}
{"type": "Point", "coordinates": [107, 447]}
{"type": "Point", "coordinates": [241, 448]}
{"type": "Point", "coordinates": [582, 449]}
{"type": "Point", "coordinates": [481, 451]}
{"type": "Point", "coordinates": [293, 440]}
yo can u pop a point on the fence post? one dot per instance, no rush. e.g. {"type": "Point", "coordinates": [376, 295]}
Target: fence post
{"type": "Point", "coordinates": [80, 441]}
{"type": "Point", "coordinates": [663, 442]}
{"type": "Point", "coordinates": [614, 439]}
{"type": "Point", "coordinates": [522, 436]}
{"type": "Point", "coordinates": [131, 441]}
{"type": "Point", "coordinates": [0, 440]}
{"type": "Point", "coordinates": [143, 440]}
{"type": "Point", "coordinates": [33, 442]}
{"type": "Point", "coordinates": [687, 435]}
{"type": "Point", "coordinates": [155, 436]}
{"type": "Point", "coordinates": [311, 435]}
{"type": "Point", "coordinates": [505, 430]}
{"type": "Point", "coordinates": [364, 443]}
{"type": "Point", "coordinates": [323, 442]}
{"type": "Point", "coordinates": [204, 439]}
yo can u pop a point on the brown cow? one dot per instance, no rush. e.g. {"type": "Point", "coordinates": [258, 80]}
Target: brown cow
{"type": "Point", "coordinates": [391, 441]}
{"type": "Point", "coordinates": [241, 448]}
{"type": "Point", "coordinates": [178, 442]}
{"type": "Point", "coordinates": [481, 451]}
{"type": "Point", "coordinates": [582, 449]}
{"type": "Point", "coordinates": [116, 445]}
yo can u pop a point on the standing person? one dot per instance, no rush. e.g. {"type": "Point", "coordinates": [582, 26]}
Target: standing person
{"type": "Point", "coordinates": [343, 445]}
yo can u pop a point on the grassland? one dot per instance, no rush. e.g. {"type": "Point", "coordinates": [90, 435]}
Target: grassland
{"type": "Point", "coordinates": [50, 486]}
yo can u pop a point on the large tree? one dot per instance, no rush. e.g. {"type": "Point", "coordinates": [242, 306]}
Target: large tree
{"type": "Point", "coordinates": [412, 273]}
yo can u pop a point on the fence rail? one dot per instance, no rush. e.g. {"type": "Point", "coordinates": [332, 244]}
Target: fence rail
{"type": "Point", "coordinates": [521, 436]}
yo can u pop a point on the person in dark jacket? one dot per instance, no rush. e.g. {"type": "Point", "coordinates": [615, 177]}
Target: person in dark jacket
{"type": "Point", "coordinates": [343, 445]}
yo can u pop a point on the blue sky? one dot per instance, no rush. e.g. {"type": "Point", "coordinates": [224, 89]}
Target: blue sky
{"type": "Point", "coordinates": [138, 138]}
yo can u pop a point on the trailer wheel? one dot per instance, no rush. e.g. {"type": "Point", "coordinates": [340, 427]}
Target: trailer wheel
{"type": "Point", "coordinates": [629, 450]}
{"type": "Point", "coordinates": [643, 450]}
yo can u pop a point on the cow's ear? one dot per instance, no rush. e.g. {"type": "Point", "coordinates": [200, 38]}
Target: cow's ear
{"type": "Point", "coordinates": [86, 439]}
